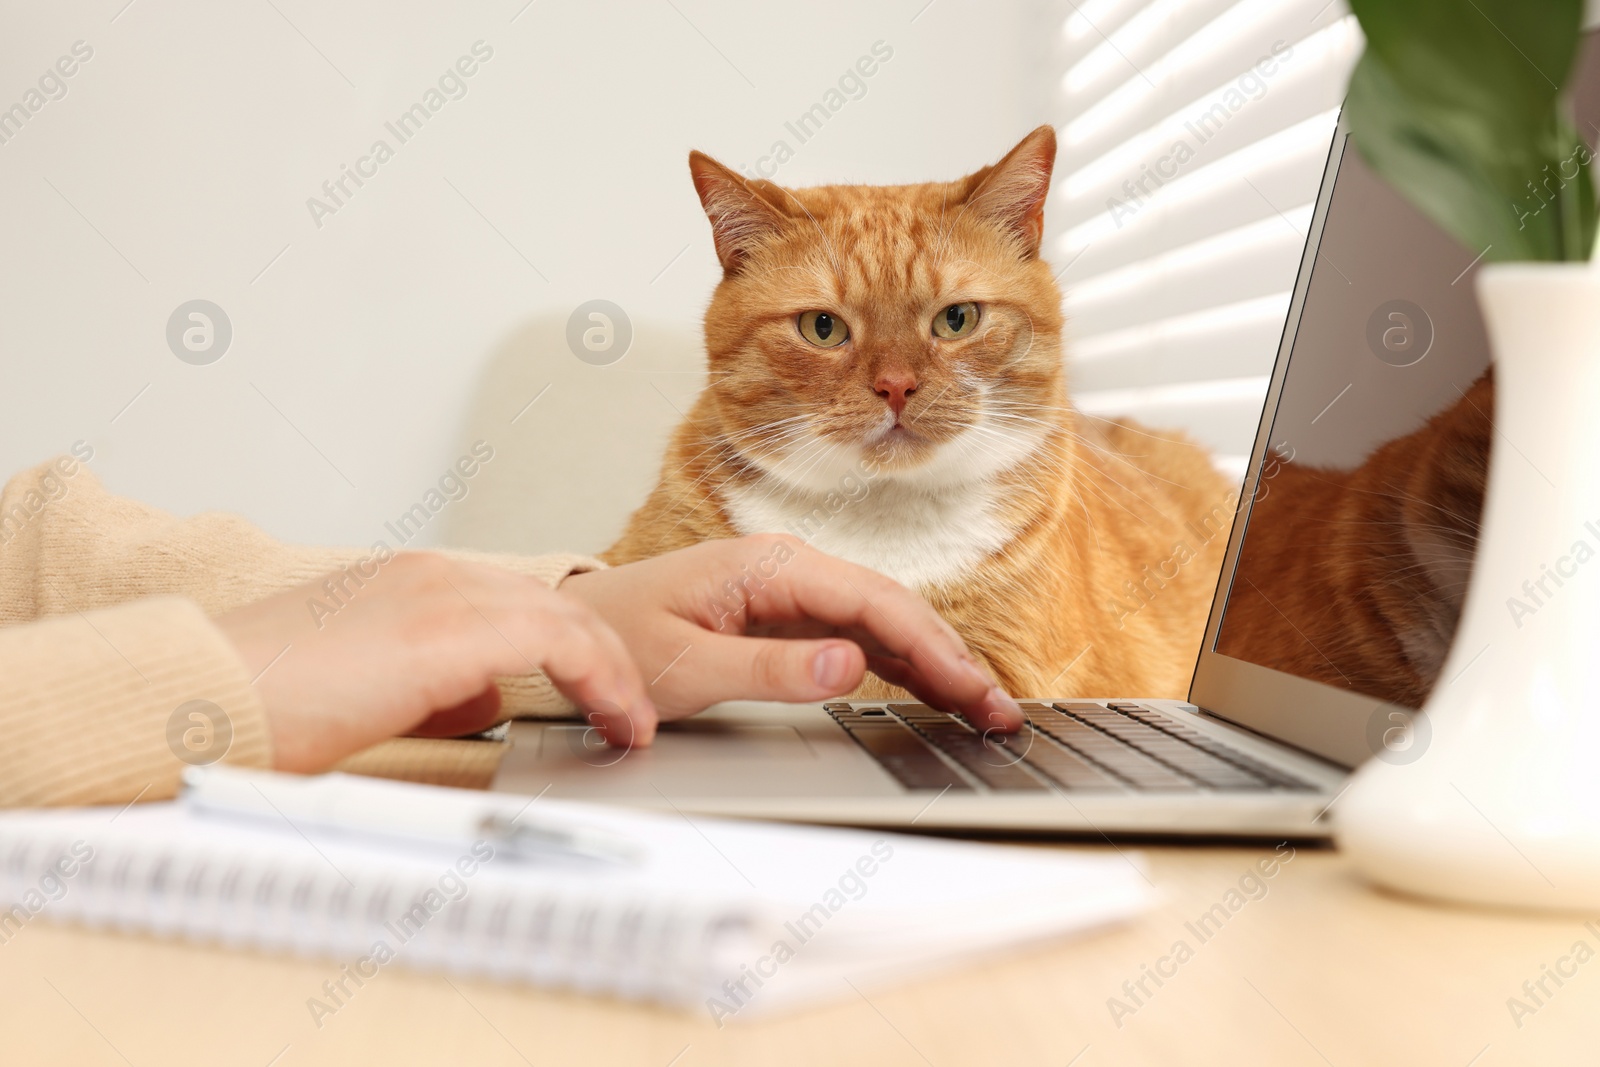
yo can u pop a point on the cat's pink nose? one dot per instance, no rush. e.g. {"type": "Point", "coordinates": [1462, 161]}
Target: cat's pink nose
{"type": "Point", "coordinates": [894, 388]}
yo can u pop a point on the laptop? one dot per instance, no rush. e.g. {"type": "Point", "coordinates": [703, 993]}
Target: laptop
{"type": "Point", "coordinates": [1382, 334]}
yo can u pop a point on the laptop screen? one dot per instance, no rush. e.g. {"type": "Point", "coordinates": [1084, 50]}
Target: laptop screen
{"type": "Point", "coordinates": [1359, 540]}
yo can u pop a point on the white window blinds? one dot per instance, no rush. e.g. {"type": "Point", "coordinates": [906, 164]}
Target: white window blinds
{"type": "Point", "coordinates": [1194, 140]}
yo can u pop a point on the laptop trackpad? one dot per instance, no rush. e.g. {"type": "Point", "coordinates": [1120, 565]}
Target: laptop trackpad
{"type": "Point", "coordinates": [742, 749]}
{"type": "Point", "coordinates": [692, 739]}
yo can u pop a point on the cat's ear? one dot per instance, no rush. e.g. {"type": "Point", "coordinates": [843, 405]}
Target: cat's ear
{"type": "Point", "coordinates": [1011, 193]}
{"type": "Point", "coordinates": [740, 218]}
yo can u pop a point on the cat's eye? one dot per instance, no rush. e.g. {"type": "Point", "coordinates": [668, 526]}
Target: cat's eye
{"type": "Point", "coordinates": [957, 320]}
{"type": "Point", "coordinates": [823, 329]}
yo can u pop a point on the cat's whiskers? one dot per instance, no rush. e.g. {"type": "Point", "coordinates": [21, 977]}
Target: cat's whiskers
{"type": "Point", "coordinates": [823, 453]}
{"type": "Point", "coordinates": [776, 443]}
{"type": "Point", "coordinates": [734, 450]}
{"type": "Point", "coordinates": [1156, 437]}
{"type": "Point", "coordinates": [734, 455]}
{"type": "Point", "coordinates": [1043, 460]}
{"type": "Point", "coordinates": [990, 438]}
{"type": "Point", "coordinates": [1101, 450]}
{"type": "Point", "coordinates": [1083, 504]}
{"type": "Point", "coordinates": [1111, 498]}
{"type": "Point", "coordinates": [791, 480]}
{"type": "Point", "coordinates": [1102, 473]}
{"type": "Point", "coordinates": [715, 444]}
{"type": "Point", "coordinates": [1068, 473]}
{"type": "Point", "coordinates": [802, 461]}
{"type": "Point", "coordinates": [1002, 407]}
{"type": "Point", "coordinates": [988, 448]}
{"type": "Point", "coordinates": [777, 430]}
{"type": "Point", "coordinates": [764, 476]}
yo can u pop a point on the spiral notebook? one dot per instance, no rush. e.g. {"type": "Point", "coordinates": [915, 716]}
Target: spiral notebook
{"type": "Point", "coordinates": [735, 918]}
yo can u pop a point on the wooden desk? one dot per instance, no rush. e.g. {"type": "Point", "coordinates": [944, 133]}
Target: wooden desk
{"type": "Point", "coordinates": [1318, 971]}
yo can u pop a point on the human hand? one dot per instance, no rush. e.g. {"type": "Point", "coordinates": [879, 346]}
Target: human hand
{"type": "Point", "coordinates": [416, 650]}
{"type": "Point", "coordinates": [767, 617]}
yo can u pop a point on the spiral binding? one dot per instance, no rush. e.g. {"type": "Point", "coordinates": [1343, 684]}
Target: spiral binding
{"type": "Point", "coordinates": [601, 939]}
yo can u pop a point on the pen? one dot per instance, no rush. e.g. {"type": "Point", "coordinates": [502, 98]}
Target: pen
{"type": "Point", "coordinates": [365, 805]}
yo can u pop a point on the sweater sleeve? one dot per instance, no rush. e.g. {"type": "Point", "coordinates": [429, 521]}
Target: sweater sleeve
{"type": "Point", "coordinates": [104, 634]}
{"type": "Point", "coordinates": [110, 705]}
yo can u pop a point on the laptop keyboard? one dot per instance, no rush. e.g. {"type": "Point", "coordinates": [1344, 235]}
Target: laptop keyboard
{"type": "Point", "coordinates": [1076, 746]}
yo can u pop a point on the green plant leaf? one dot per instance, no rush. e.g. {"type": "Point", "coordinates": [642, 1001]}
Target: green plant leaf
{"type": "Point", "coordinates": [1461, 109]}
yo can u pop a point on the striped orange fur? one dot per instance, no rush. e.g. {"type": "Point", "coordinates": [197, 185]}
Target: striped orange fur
{"type": "Point", "coordinates": [1074, 554]}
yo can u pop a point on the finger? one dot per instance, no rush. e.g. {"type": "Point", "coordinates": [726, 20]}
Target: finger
{"type": "Point", "coordinates": [898, 672]}
{"type": "Point", "coordinates": [763, 668]}
{"type": "Point", "coordinates": [468, 717]}
{"type": "Point", "coordinates": [816, 586]}
{"type": "Point", "coordinates": [986, 717]}
{"type": "Point", "coordinates": [582, 656]}
{"type": "Point", "coordinates": [625, 727]}
{"type": "Point", "coordinates": [588, 663]}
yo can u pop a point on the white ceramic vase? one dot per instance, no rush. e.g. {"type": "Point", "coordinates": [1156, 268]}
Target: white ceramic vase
{"type": "Point", "coordinates": [1503, 807]}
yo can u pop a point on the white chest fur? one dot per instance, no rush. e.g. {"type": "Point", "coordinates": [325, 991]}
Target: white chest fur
{"type": "Point", "coordinates": [918, 536]}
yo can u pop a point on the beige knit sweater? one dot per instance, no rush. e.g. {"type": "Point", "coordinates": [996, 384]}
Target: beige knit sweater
{"type": "Point", "coordinates": [105, 631]}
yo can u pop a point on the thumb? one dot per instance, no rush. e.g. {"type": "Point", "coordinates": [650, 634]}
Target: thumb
{"type": "Point", "coordinates": [785, 669]}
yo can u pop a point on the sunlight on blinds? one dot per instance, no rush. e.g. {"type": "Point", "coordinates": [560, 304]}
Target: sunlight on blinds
{"type": "Point", "coordinates": [1195, 137]}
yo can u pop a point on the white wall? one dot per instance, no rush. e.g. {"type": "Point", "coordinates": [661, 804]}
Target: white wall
{"type": "Point", "coordinates": [431, 307]}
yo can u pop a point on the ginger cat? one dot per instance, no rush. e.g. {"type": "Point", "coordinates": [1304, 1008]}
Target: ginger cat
{"type": "Point", "coordinates": [886, 384]}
